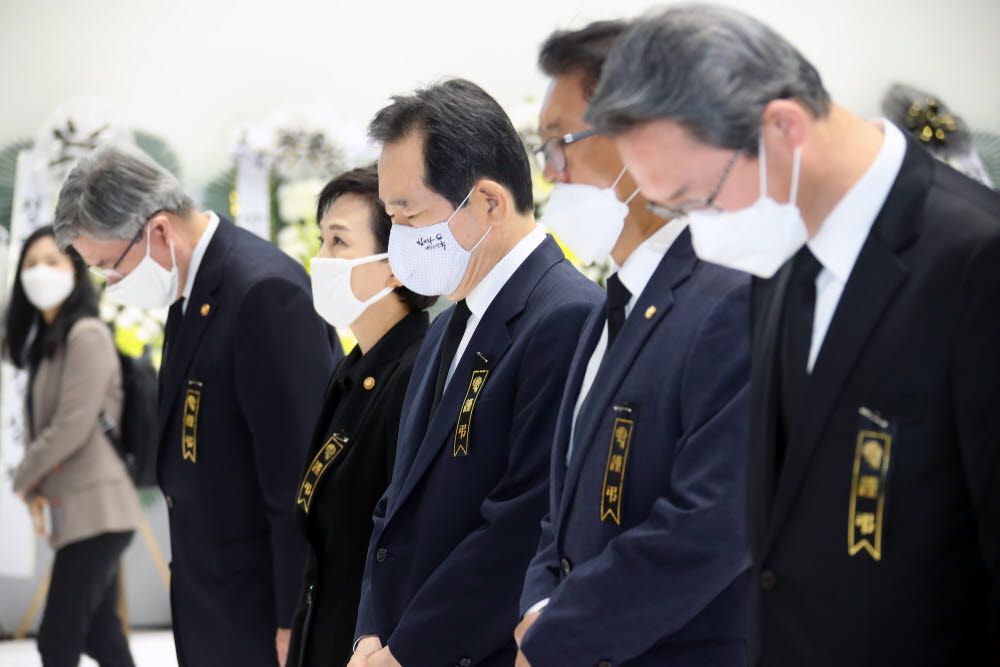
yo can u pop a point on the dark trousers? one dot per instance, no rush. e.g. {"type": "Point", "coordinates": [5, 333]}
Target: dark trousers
{"type": "Point", "coordinates": [80, 611]}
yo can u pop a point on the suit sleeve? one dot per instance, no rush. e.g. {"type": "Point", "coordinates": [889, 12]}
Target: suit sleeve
{"type": "Point", "coordinates": [91, 364]}
{"type": "Point", "coordinates": [283, 360]}
{"type": "Point", "coordinates": [976, 392]}
{"type": "Point", "coordinates": [692, 545]}
{"type": "Point", "coordinates": [542, 575]}
{"type": "Point", "coordinates": [487, 567]}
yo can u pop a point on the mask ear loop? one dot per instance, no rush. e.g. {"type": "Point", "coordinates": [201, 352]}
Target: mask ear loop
{"type": "Point", "coordinates": [360, 261]}
{"type": "Point", "coordinates": [618, 180]}
{"type": "Point", "coordinates": [793, 195]}
{"type": "Point", "coordinates": [481, 238]}
{"type": "Point", "coordinates": [459, 207]}
{"type": "Point", "coordinates": [149, 246]}
{"type": "Point", "coordinates": [620, 175]}
{"type": "Point", "coordinates": [762, 163]}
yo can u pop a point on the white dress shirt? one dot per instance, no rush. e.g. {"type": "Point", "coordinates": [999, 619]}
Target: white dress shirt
{"type": "Point", "coordinates": [482, 295]}
{"type": "Point", "coordinates": [635, 273]}
{"type": "Point", "coordinates": [845, 229]}
{"type": "Point", "coordinates": [197, 255]}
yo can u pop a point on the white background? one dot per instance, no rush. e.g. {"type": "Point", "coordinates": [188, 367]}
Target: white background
{"type": "Point", "coordinates": [191, 70]}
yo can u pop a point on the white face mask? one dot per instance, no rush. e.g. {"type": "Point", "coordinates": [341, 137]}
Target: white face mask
{"type": "Point", "coordinates": [587, 218]}
{"type": "Point", "coordinates": [46, 286]}
{"type": "Point", "coordinates": [148, 285]}
{"type": "Point", "coordinates": [333, 297]}
{"type": "Point", "coordinates": [757, 239]}
{"type": "Point", "coordinates": [428, 260]}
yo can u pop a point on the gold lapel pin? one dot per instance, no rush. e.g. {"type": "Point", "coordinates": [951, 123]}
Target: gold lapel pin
{"type": "Point", "coordinates": [369, 383]}
{"type": "Point", "coordinates": [204, 309]}
{"type": "Point", "coordinates": [650, 312]}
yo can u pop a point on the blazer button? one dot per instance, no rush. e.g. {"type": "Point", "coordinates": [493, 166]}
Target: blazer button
{"type": "Point", "coordinates": [605, 663]}
{"type": "Point", "coordinates": [465, 662]}
{"type": "Point", "coordinates": [170, 502]}
{"type": "Point", "coordinates": [567, 567]}
{"type": "Point", "coordinates": [768, 580]}
{"type": "Point", "coordinates": [381, 554]}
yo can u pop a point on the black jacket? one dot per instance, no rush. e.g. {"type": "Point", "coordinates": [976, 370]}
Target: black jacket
{"type": "Point", "coordinates": [241, 386]}
{"type": "Point", "coordinates": [349, 466]}
{"type": "Point", "coordinates": [879, 542]}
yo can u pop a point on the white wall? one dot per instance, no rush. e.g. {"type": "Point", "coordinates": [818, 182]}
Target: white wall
{"type": "Point", "coordinates": [190, 70]}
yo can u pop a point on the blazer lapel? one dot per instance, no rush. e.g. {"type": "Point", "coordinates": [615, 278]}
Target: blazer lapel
{"type": "Point", "coordinates": [491, 340]}
{"type": "Point", "coordinates": [650, 308]}
{"type": "Point", "coordinates": [764, 381]}
{"type": "Point", "coordinates": [592, 330]}
{"type": "Point", "coordinates": [200, 309]}
{"type": "Point", "coordinates": [876, 277]}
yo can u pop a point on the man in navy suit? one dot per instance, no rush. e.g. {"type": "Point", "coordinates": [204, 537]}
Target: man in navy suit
{"type": "Point", "coordinates": [643, 557]}
{"type": "Point", "coordinates": [245, 362]}
{"type": "Point", "coordinates": [874, 459]}
{"type": "Point", "coordinates": [460, 521]}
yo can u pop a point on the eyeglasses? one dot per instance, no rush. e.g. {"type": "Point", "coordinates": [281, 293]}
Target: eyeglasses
{"type": "Point", "coordinates": [113, 273]}
{"type": "Point", "coordinates": [671, 211]}
{"type": "Point", "coordinates": [553, 152]}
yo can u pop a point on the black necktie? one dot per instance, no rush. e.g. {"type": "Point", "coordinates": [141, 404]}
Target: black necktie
{"type": "Point", "coordinates": [170, 329]}
{"type": "Point", "coordinates": [618, 298]}
{"type": "Point", "coordinates": [796, 339]}
{"type": "Point", "coordinates": [452, 337]}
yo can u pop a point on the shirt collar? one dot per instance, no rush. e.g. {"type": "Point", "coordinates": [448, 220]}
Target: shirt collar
{"type": "Point", "coordinates": [482, 295]}
{"type": "Point", "coordinates": [843, 232]}
{"type": "Point", "coordinates": [641, 264]}
{"type": "Point", "coordinates": [198, 254]}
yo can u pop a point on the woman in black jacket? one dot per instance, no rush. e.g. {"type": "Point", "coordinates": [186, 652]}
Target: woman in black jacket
{"type": "Point", "coordinates": [353, 446]}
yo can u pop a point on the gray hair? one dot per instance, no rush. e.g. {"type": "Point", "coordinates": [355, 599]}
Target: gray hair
{"type": "Point", "coordinates": [112, 193]}
{"type": "Point", "coordinates": [710, 69]}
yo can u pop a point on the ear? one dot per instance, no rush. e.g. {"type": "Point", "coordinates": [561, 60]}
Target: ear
{"type": "Point", "coordinates": [492, 199]}
{"type": "Point", "coordinates": [784, 124]}
{"type": "Point", "coordinates": [161, 229]}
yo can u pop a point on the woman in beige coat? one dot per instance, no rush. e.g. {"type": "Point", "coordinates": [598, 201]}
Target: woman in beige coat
{"type": "Point", "coordinates": [69, 465]}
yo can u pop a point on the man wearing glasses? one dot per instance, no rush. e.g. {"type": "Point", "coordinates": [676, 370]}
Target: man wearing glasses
{"type": "Point", "coordinates": [643, 558]}
{"type": "Point", "coordinates": [245, 361]}
{"type": "Point", "coordinates": [874, 462]}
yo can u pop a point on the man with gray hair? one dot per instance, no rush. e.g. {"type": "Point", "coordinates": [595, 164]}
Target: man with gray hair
{"type": "Point", "coordinates": [245, 361]}
{"type": "Point", "coordinates": [874, 463]}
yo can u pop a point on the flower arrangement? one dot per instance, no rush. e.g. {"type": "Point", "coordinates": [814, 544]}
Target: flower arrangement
{"type": "Point", "coordinates": [74, 129]}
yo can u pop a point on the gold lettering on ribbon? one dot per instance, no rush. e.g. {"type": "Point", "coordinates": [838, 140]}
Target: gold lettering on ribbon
{"type": "Point", "coordinates": [614, 471]}
{"type": "Point", "coordinates": [463, 429]}
{"type": "Point", "coordinates": [189, 426]}
{"type": "Point", "coordinates": [868, 489]}
{"type": "Point", "coordinates": [324, 457]}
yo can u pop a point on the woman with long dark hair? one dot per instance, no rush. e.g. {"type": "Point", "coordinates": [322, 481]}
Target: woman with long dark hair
{"type": "Point", "coordinates": [69, 464]}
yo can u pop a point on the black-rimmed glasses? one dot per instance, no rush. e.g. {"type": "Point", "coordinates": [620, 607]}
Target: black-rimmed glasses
{"type": "Point", "coordinates": [553, 152]}
{"type": "Point", "coordinates": [672, 211]}
{"type": "Point", "coordinates": [113, 273]}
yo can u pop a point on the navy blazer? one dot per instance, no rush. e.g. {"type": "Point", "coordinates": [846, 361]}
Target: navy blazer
{"type": "Point", "coordinates": [643, 554]}
{"type": "Point", "coordinates": [241, 386]}
{"type": "Point", "coordinates": [878, 540]}
{"type": "Point", "coordinates": [457, 526]}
